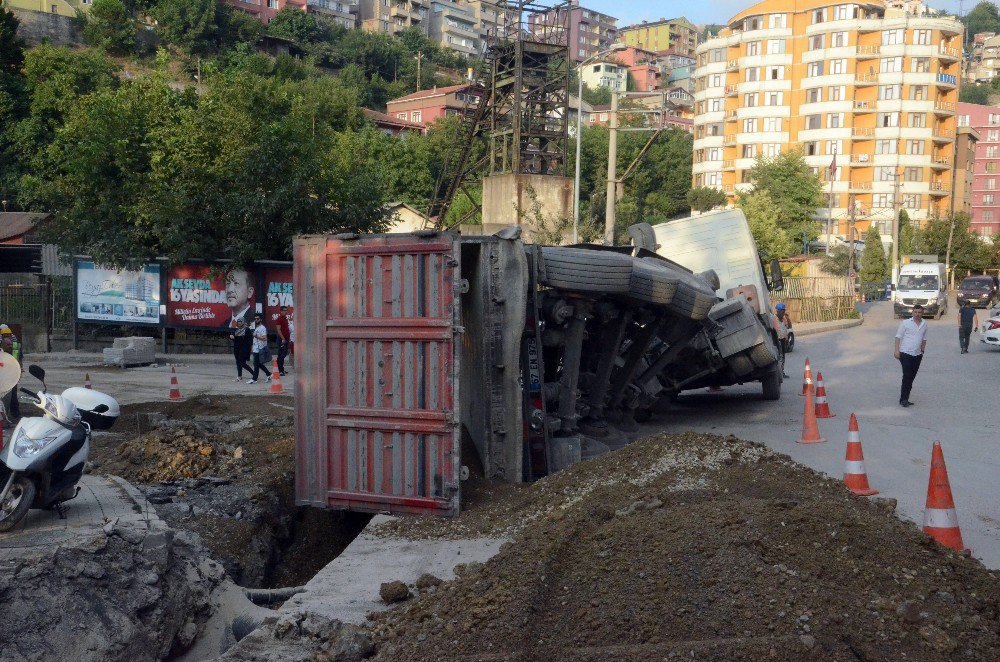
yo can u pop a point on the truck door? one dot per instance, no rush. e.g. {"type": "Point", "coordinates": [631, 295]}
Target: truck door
{"type": "Point", "coordinates": [377, 372]}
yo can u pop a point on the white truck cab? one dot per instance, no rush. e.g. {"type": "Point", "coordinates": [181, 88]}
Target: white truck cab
{"type": "Point", "coordinates": [926, 284]}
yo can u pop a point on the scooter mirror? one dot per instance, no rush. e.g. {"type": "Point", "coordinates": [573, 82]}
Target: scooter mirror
{"type": "Point", "coordinates": [37, 372]}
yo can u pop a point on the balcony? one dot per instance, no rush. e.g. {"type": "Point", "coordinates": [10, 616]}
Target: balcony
{"type": "Point", "coordinates": [730, 140]}
{"type": "Point", "coordinates": [732, 90]}
{"type": "Point", "coordinates": [944, 108]}
{"type": "Point", "coordinates": [868, 52]}
{"type": "Point", "coordinates": [862, 133]}
{"type": "Point", "coordinates": [859, 187]}
{"type": "Point", "coordinates": [864, 80]}
{"type": "Point", "coordinates": [864, 106]}
{"type": "Point", "coordinates": [731, 116]}
{"type": "Point", "coordinates": [946, 52]}
{"type": "Point", "coordinates": [860, 160]}
{"type": "Point", "coordinates": [729, 164]}
{"type": "Point", "coordinates": [946, 80]}
{"type": "Point", "coordinates": [939, 188]}
{"type": "Point", "coordinates": [733, 65]}
{"type": "Point", "coordinates": [940, 163]}
{"type": "Point", "coordinates": [942, 135]}
{"type": "Point", "coordinates": [729, 188]}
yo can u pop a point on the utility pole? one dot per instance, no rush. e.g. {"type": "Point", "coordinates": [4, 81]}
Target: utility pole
{"type": "Point", "coordinates": [895, 226]}
{"type": "Point", "coordinates": [420, 56]}
{"type": "Point", "coordinates": [850, 233]}
{"type": "Point", "coordinates": [829, 215]}
{"type": "Point", "coordinates": [609, 203]}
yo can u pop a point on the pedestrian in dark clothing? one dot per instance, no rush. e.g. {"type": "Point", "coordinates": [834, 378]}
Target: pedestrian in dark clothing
{"type": "Point", "coordinates": [284, 339]}
{"type": "Point", "coordinates": [911, 341]}
{"type": "Point", "coordinates": [967, 321]}
{"type": "Point", "coordinates": [242, 342]}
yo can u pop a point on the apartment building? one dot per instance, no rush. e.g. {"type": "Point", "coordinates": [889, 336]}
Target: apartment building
{"type": "Point", "coordinates": [983, 64]}
{"type": "Point", "coordinates": [605, 73]}
{"type": "Point", "coordinates": [265, 10]}
{"type": "Point", "coordinates": [590, 32]}
{"type": "Point", "coordinates": [425, 106]}
{"type": "Point", "coordinates": [341, 12]}
{"type": "Point", "coordinates": [869, 90]}
{"type": "Point", "coordinates": [985, 205]}
{"type": "Point", "coordinates": [644, 68]}
{"type": "Point", "coordinates": [453, 25]}
{"type": "Point", "coordinates": [966, 140]}
{"type": "Point", "coordinates": [676, 34]}
{"type": "Point", "coordinates": [393, 16]}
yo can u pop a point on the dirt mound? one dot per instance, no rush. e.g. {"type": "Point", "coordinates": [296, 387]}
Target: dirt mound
{"type": "Point", "coordinates": [184, 452]}
{"type": "Point", "coordinates": [699, 546]}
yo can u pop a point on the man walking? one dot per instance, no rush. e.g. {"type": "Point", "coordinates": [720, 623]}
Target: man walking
{"type": "Point", "coordinates": [967, 321]}
{"type": "Point", "coordinates": [284, 339]}
{"type": "Point", "coordinates": [911, 341]}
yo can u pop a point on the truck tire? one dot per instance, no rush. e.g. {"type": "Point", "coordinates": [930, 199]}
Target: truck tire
{"type": "Point", "coordinates": [585, 270]}
{"type": "Point", "coordinates": [652, 283]}
{"type": "Point", "coordinates": [771, 384]}
{"type": "Point", "coordinates": [19, 500]}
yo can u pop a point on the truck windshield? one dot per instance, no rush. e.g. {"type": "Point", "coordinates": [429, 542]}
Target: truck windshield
{"type": "Point", "coordinates": [925, 283]}
{"type": "Point", "coordinates": [978, 284]}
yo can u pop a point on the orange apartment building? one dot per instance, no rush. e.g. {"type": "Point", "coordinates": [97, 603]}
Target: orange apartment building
{"type": "Point", "coordinates": [872, 89]}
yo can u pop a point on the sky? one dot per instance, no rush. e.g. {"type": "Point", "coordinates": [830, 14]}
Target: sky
{"type": "Point", "coordinates": [705, 11]}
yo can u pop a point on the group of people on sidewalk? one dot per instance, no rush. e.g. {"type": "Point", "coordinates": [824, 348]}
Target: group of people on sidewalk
{"type": "Point", "coordinates": [250, 343]}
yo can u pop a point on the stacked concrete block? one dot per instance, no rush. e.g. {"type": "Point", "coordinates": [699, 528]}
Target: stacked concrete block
{"type": "Point", "coordinates": [131, 351]}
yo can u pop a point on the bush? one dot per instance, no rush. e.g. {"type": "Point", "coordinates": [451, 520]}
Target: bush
{"type": "Point", "coordinates": [109, 27]}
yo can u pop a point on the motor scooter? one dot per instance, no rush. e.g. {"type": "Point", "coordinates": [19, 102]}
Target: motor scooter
{"type": "Point", "coordinates": [44, 460]}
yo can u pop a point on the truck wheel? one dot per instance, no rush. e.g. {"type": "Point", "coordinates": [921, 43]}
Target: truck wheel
{"type": "Point", "coordinates": [771, 385]}
{"type": "Point", "coordinates": [15, 507]}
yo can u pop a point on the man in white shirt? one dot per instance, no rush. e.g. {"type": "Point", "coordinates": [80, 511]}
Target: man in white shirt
{"type": "Point", "coordinates": [911, 341]}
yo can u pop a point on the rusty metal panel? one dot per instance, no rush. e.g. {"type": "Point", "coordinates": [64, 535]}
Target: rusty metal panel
{"type": "Point", "coordinates": [378, 373]}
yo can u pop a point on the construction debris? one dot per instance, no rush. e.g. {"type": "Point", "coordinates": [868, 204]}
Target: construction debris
{"type": "Point", "coordinates": [697, 546]}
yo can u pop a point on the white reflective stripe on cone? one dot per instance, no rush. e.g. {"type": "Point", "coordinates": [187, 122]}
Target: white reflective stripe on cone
{"type": "Point", "coordinates": [941, 518]}
{"type": "Point", "coordinates": [854, 437]}
{"type": "Point", "coordinates": [854, 467]}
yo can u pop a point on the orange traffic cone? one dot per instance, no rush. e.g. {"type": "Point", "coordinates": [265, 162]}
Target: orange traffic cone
{"type": "Point", "coordinates": [86, 381]}
{"type": "Point", "coordinates": [855, 476]}
{"type": "Point", "coordinates": [940, 518]}
{"type": "Point", "coordinates": [175, 392]}
{"type": "Point", "coordinates": [807, 377]}
{"type": "Point", "coordinates": [822, 408]}
{"type": "Point", "coordinates": [276, 379]}
{"type": "Point", "coordinates": [810, 430]}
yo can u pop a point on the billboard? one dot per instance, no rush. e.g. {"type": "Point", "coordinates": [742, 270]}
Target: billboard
{"type": "Point", "coordinates": [118, 297]}
{"type": "Point", "coordinates": [278, 289]}
{"type": "Point", "coordinates": [195, 299]}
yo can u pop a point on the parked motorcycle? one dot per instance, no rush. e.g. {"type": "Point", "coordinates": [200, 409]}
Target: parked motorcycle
{"type": "Point", "coordinates": [44, 460]}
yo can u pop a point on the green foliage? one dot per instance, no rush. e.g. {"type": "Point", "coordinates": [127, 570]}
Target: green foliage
{"type": "Point", "coordinates": [793, 188]}
{"type": "Point", "coordinates": [907, 234]}
{"type": "Point", "coordinates": [705, 198]}
{"type": "Point", "coordinates": [11, 45]}
{"type": "Point", "coordinates": [296, 25]}
{"type": "Point", "coordinates": [190, 25]}
{"type": "Point", "coordinates": [975, 93]}
{"type": "Point", "coordinates": [873, 263]}
{"type": "Point", "coordinates": [235, 27]}
{"type": "Point", "coordinates": [984, 17]}
{"type": "Point", "coordinates": [13, 97]}
{"type": "Point", "coordinates": [109, 27]}
{"type": "Point", "coordinates": [968, 251]}
{"type": "Point", "coordinates": [763, 216]}
{"type": "Point", "coordinates": [837, 262]}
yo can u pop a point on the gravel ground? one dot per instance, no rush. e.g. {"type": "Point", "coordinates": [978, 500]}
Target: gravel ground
{"type": "Point", "coordinates": [698, 546]}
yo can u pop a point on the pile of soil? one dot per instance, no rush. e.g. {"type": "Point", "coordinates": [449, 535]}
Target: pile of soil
{"type": "Point", "coordinates": [698, 546]}
{"type": "Point", "coordinates": [184, 452]}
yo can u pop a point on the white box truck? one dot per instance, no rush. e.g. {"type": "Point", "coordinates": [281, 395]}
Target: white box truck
{"type": "Point", "coordinates": [926, 284]}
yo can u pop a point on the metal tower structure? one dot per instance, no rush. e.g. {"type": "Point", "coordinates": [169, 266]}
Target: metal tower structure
{"type": "Point", "coordinates": [515, 119]}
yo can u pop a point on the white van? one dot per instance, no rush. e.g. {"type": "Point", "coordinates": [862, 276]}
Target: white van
{"type": "Point", "coordinates": [926, 284]}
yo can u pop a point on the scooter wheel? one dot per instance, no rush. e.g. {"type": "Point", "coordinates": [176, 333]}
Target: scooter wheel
{"type": "Point", "coordinates": [15, 507]}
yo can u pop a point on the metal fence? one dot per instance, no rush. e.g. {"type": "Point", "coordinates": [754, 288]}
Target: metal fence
{"type": "Point", "coordinates": [24, 303]}
{"type": "Point", "coordinates": [815, 299]}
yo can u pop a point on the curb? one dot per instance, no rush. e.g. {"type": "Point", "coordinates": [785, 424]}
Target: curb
{"type": "Point", "coordinates": [832, 326]}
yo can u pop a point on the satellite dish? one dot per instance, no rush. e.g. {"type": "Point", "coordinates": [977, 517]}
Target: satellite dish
{"type": "Point", "coordinates": [10, 373]}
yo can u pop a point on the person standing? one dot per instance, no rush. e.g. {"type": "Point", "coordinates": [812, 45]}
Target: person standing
{"type": "Point", "coordinates": [10, 344]}
{"type": "Point", "coordinates": [967, 321]}
{"type": "Point", "coordinates": [260, 350]}
{"type": "Point", "coordinates": [242, 343]}
{"type": "Point", "coordinates": [284, 339]}
{"type": "Point", "coordinates": [911, 341]}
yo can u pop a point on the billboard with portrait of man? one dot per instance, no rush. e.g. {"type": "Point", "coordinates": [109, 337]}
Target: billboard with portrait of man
{"type": "Point", "coordinates": [197, 297]}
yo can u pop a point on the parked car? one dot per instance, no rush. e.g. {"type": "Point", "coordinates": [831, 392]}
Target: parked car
{"type": "Point", "coordinates": [991, 330]}
{"type": "Point", "coordinates": [980, 290]}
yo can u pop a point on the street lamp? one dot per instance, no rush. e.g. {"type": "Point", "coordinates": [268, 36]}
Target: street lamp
{"type": "Point", "coordinates": [579, 115]}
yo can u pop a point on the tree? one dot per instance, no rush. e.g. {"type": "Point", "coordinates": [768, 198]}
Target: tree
{"type": "Point", "coordinates": [796, 191]}
{"type": "Point", "coordinates": [191, 25]}
{"type": "Point", "coordinates": [968, 251]}
{"type": "Point", "coordinates": [596, 96]}
{"type": "Point", "coordinates": [873, 264]}
{"type": "Point", "coordinates": [296, 25]}
{"type": "Point", "coordinates": [984, 17]}
{"type": "Point", "coordinates": [763, 214]}
{"type": "Point", "coordinates": [13, 98]}
{"type": "Point", "coordinates": [907, 234]}
{"type": "Point", "coordinates": [837, 262]}
{"type": "Point", "coordinates": [109, 27]}
{"type": "Point", "coordinates": [705, 198]}
{"type": "Point", "coordinates": [975, 93]}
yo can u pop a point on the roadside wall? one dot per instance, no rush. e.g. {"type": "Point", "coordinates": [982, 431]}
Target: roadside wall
{"type": "Point", "coordinates": [37, 27]}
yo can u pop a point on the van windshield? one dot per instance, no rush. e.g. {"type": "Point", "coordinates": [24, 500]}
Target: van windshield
{"type": "Point", "coordinates": [977, 284]}
{"type": "Point", "coordinates": [928, 282]}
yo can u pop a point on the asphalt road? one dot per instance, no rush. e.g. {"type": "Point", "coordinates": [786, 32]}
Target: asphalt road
{"type": "Point", "coordinates": [956, 402]}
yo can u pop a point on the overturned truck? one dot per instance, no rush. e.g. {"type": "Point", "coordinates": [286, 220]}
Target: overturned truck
{"type": "Point", "coordinates": [537, 356]}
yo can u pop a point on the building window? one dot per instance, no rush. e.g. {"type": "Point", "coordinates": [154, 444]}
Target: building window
{"type": "Point", "coordinates": [838, 66]}
{"type": "Point", "coordinates": [714, 154]}
{"type": "Point", "coordinates": [834, 120]}
{"type": "Point", "coordinates": [887, 120]}
{"type": "Point", "coordinates": [888, 92]}
{"type": "Point", "coordinates": [915, 147]}
{"type": "Point", "coordinates": [816, 42]}
{"type": "Point", "coordinates": [776, 21]}
{"type": "Point", "coordinates": [772, 124]}
{"type": "Point", "coordinates": [753, 48]}
{"type": "Point", "coordinates": [716, 105]}
{"type": "Point", "coordinates": [814, 69]}
{"type": "Point", "coordinates": [402, 116]}
{"type": "Point", "coordinates": [836, 93]}
{"type": "Point", "coordinates": [911, 200]}
{"type": "Point", "coordinates": [749, 151]}
{"type": "Point", "coordinates": [987, 198]}
{"type": "Point", "coordinates": [913, 174]}
{"type": "Point", "coordinates": [994, 119]}
{"type": "Point", "coordinates": [775, 46]}
{"type": "Point", "coordinates": [991, 167]}
{"type": "Point", "coordinates": [917, 120]}
{"type": "Point", "coordinates": [918, 92]}
{"type": "Point", "coordinates": [892, 37]}
{"type": "Point", "coordinates": [885, 146]}
{"type": "Point", "coordinates": [838, 39]}
{"type": "Point", "coordinates": [715, 80]}
{"type": "Point", "coordinates": [774, 98]}
{"type": "Point", "coordinates": [882, 200]}
{"type": "Point", "coordinates": [750, 100]}
{"type": "Point", "coordinates": [814, 95]}
{"type": "Point", "coordinates": [810, 148]}
{"type": "Point", "coordinates": [751, 74]}
{"type": "Point", "coordinates": [921, 65]}
{"type": "Point", "coordinates": [991, 152]}
{"type": "Point", "coordinates": [833, 147]}
{"type": "Point", "coordinates": [416, 116]}
{"type": "Point", "coordinates": [814, 121]}
{"type": "Point", "coordinates": [922, 37]}
{"type": "Point", "coordinates": [987, 216]}
{"type": "Point", "coordinates": [990, 184]}
{"type": "Point", "coordinates": [775, 73]}
{"type": "Point", "coordinates": [963, 120]}
{"type": "Point", "coordinates": [770, 150]}
{"type": "Point", "coordinates": [993, 135]}
{"type": "Point", "coordinates": [750, 125]}
{"type": "Point", "coordinates": [884, 175]}
{"type": "Point", "coordinates": [819, 15]}
{"type": "Point", "coordinates": [891, 65]}
{"type": "Point", "coordinates": [844, 12]}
